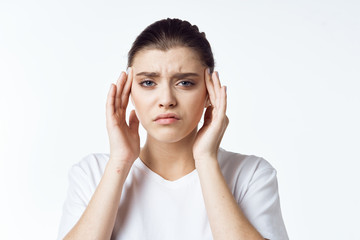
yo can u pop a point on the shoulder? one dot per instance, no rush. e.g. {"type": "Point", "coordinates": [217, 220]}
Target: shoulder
{"type": "Point", "coordinates": [93, 161]}
{"type": "Point", "coordinates": [90, 166]}
{"type": "Point", "coordinates": [241, 171]}
{"type": "Point", "coordinates": [245, 164]}
{"type": "Point", "coordinates": [253, 182]}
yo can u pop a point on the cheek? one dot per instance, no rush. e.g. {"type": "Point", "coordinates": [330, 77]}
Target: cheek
{"type": "Point", "coordinates": [197, 105]}
{"type": "Point", "coordinates": [136, 96]}
{"type": "Point", "coordinates": [137, 103]}
{"type": "Point", "coordinates": [142, 104]}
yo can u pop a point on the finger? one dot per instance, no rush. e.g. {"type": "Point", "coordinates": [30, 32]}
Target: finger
{"type": "Point", "coordinates": [216, 80]}
{"type": "Point", "coordinates": [119, 88]}
{"type": "Point", "coordinates": [210, 86]}
{"type": "Point", "coordinates": [226, 122]}
{"type": "Point", "coordinates": [223, 101]}
{"type": "Point", "coordinates": [217, 87]}
{"type": "Point", "coordinates": [224, 129]}
{"type": "Point", "coordinates": [110, 101]}
{"type": "Point", "coordinates": [126, 91]}
{"type": "Point", "coordinates": [133, 122]}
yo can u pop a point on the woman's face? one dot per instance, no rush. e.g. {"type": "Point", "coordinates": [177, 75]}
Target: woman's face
{"type": "Point", "coordinates": [168, 92]}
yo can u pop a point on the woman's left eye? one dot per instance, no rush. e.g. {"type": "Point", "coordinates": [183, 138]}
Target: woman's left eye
{"type": "Point", "coordinates": [186, 83]}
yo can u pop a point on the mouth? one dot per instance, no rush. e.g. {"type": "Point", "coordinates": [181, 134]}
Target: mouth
{"type": "Point", "coordinates": [166, 118]}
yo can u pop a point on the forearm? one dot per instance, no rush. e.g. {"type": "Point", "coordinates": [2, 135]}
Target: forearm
{"type": "Point", "coordinates": [98, 219]}
{"type": "Point", "coordinates": [227, 221]}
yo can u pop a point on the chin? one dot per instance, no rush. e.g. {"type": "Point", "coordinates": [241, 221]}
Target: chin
{"type": "Point", "coordinates": [167, 137]}
{"type": "Point", "coordinates": [170, 135]}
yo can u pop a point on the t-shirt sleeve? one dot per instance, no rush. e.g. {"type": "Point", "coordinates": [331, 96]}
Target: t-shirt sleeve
{"type": "Point", "coordinates": [78, 196]}
{"type": "Point", "coordinates": [261, 205]}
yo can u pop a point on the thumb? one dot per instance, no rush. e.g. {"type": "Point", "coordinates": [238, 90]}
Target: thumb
{"type": "Point", "coordinates": [133, 122]}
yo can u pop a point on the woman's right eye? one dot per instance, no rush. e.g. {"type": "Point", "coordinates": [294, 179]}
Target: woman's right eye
{"type": "Point", "coordinates": [147, 83]}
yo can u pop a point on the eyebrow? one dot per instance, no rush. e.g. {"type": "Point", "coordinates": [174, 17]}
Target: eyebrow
{"type": "Point", "coordinates": [176, 75]}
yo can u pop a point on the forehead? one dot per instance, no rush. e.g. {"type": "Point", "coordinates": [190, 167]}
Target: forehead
{"type": "Point", "coordinates": [172, 60]}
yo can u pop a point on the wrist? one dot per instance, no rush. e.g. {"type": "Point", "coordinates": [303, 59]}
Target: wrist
{"type": "Point", "coordinates": [206, 162]}
{"type": "Point", "coordinates": [114, 175]}
{"type": "Point", "coordinates": [205, 155]}
{"type": "Point", "coordinates": [118, 167]}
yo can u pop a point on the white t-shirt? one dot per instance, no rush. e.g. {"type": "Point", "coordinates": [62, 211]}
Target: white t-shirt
{"type": "Point", "coordinates": [152, 207]}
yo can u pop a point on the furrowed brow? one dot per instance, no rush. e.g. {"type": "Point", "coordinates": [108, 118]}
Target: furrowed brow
{"type": "Point", "coordinates": [185, 75]}
{"type": "Point", "coordinates": [176, 75]}
{"type": "Point", "coordinates": [148, 74]}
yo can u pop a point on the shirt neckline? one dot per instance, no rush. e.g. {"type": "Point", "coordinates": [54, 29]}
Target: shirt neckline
{"type": "Point", "coordinates": [183, 181]}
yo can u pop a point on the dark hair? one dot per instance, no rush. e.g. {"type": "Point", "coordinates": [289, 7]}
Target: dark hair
{"type": "Point", "coordinates": [169, 33]}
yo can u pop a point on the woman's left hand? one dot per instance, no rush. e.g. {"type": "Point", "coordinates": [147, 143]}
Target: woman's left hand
{"type": "Point", "coordinates": [208, 138]}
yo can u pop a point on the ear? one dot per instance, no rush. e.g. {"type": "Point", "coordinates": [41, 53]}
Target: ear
{"type": "Point", "coordinates": [207, 101]}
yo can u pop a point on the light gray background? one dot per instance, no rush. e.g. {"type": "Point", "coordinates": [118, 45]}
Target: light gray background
{"type": "Point", "coordinates": [292, 71]}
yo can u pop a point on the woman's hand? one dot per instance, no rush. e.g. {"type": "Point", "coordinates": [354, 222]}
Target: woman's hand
{"type": "Point", "coordinates": [124, 139]}
{"type": "Point", "coordinates": [208, 138]}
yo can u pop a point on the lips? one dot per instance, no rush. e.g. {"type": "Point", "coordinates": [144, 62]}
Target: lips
{"type": "Point", "coordinates": [166, 118]}
{"type": "Point", "coordinates": [167, 115]}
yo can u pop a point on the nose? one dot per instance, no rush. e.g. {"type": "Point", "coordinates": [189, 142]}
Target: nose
{"type": "Point", "coordinates": [167, 98]}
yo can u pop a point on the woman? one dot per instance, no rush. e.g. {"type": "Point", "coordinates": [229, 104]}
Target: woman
{"type": "Point", "coordinates": [180, 184]}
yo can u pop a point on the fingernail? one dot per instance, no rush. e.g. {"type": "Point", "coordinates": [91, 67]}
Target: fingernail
{"type": "Point", "coordinates": [127, 70]}
{"type": "Point", "coordinates": [208, 70]}
{"type": "Point", "coordinates": [111, 86]}
{"type": "Point", "coordinates": [225, 89]}
{"type": "Point", "coordinates": [217, 73]}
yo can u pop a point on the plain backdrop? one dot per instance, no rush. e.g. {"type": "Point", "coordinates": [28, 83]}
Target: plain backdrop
{"type": "Point", "coordinates": [292, 69]}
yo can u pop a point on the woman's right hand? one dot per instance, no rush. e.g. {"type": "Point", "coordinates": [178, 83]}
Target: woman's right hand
{"type": "Point", "coordinates": [124, 139]}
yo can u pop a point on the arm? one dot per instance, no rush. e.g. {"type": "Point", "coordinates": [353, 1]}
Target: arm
{"type": "Point", "coordinates": [226, 218]}
{"type": "Point", "coordinates": [98, 219]}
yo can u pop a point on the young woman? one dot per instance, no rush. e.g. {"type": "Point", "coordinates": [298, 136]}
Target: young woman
{"type": "Point", "coordinates": [180, 184]}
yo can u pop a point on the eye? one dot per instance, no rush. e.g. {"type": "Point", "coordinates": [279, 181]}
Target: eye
{"type": "Point", "coordinates": [147, 83]}
{"type": "Point", "coordinates": [186, 83]}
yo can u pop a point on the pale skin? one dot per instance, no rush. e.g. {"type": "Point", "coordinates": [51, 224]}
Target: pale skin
{"type": "Point", "coordinates": [155, 85]}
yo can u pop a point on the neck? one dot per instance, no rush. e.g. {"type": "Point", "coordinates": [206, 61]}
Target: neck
{"type": "Point", "coordinates": [170, 160]}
